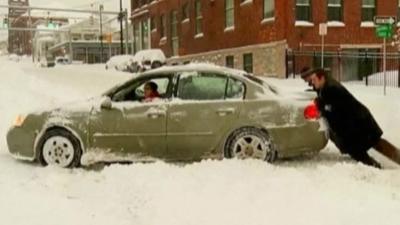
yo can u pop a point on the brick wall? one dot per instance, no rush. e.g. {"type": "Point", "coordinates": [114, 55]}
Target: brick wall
{"type": "Point", "coordinates": [251, 31]}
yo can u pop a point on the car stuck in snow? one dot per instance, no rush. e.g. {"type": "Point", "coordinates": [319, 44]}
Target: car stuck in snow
{"type": "Point", "coordinates": [204, 111]}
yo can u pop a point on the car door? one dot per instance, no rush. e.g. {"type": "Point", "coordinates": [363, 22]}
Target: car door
{"type": "Point", "coordinates": [130, 125]}
{"type": "Point", "coordinates": [201, 114]}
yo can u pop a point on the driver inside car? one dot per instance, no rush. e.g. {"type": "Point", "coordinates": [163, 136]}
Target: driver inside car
{"type": "Point", "coordinates": [151, 92]}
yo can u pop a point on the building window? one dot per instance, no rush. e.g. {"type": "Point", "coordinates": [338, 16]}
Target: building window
{"type": "Point", "coordinates": [269, 9]}
{"type": "Point", "coordinates": [136, 30]}
{"type": "Point", "coordinates": [199, 17]}
{"type": "Point", "coordinates": [163, 26]}
{"type": "Point", "coordinates": [145, 34]}
{"type": "Point", "coordinates": [152, 24]}
{"type": "Point", "coordinates": [185, 11]}
{"type": "Point", "coordinates": [335, 10]}
{"type": "Point", "coordinates": [229, 61]}
{"type": "Point", "coordinates": [248, 62]}
{"type": "Point", "coordinates": [303, 10]}
{"type": "Point", "coordinates": [398, 11]}
{"type": "Point", "coordinates": [174, 32]}
{"type": "Point", "coordinates": [229, 13]}
{"type": "Point", "coordinates": [368, 10]}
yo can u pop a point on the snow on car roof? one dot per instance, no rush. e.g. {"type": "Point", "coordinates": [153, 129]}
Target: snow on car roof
{"type": "Point", "coordinates": [198, 67]}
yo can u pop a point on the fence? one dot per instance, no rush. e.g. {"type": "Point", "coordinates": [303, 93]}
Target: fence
{"type": "Point", "coordinates": [355, 66]}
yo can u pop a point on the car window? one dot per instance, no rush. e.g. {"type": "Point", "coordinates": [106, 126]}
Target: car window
{"type": "Point", "coordinates": [205, 86]}
{"type": "Point", "coordinates": [135, 90]}
{"type": "Point", "coordinates": [162, 86]}
{"type": "Point", "coordinates": [235, 89]}
{"type": "Point", "coordinates": [272, 88]}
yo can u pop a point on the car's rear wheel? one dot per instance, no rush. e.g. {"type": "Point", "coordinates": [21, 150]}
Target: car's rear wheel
{"type": "Point", "coordinates": [61, 148]}
{"type": "Point", "coordinates": [250, 142]}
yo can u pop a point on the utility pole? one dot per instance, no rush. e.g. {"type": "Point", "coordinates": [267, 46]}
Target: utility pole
{"type": "Point", "coordinates": [71, 53]}
{"type": "Point", "coordinates": [101, 32]}
{"type": "Point", "coordinates": [323, 30]}
{"type": "Point", "coordinates": [31, 34]}
{"type": "Point", "coordinates": [126, 32]}
{"type": "Point", "coordinates": [121, 33]}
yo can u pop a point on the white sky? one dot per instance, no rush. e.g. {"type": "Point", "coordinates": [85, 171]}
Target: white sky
{"type": "Point", "coordinates": [109, 5]}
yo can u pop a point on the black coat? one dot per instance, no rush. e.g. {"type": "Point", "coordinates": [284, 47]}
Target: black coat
{"type": "Point", "coordinates": [352, 127]}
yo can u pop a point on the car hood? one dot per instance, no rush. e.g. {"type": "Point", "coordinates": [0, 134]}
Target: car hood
{"type": "Point", "coordinates": [80, 106]}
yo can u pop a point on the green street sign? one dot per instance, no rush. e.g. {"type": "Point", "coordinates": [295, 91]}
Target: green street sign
{"type": "Point", "coordinates": [384, 31]}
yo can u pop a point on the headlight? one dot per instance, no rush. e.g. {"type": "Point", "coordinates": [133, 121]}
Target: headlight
{"type": "Point", "coordinates": [19, 120]}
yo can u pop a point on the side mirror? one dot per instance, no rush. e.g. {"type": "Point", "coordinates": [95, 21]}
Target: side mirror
{"type": "Point", "coordinates": [106, 103]}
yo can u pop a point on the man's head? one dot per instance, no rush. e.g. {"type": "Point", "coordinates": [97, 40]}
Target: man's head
{"type": "Point", "coordinates": [317, 78]}
{"type": "Point", "coordinates": [305, 74]}
{"type": "Point", "coordinates": [150, 88]}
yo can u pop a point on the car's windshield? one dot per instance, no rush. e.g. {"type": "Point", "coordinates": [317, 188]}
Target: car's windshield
{"type": "Point", "coordinates": [112, 90]}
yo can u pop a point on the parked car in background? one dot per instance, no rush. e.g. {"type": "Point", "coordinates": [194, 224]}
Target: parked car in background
{"type": "Point", "coordinates": [119, 62]}
{"type": "Point", "coordinates": [148, 59]}
{"type": "Point", "coordinates": [47, 61]}
{"type": "Point", "coordinates": [204, 111]}
{"type": "Point", "coordinates": [142, 61]}
{"type": "Point", "coordinates": [61, 60]}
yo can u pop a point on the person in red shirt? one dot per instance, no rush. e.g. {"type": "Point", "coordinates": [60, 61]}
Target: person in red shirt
{"type": "Point", "coordinates": [150, 92]}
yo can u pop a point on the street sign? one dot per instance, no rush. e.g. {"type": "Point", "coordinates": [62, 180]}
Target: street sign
{"type": "Point", "coordinates": [384, 31]}
{"type": "Point", "coordinates": [323, 29]}
{"type": "Point", "coordinates": [380, 20]}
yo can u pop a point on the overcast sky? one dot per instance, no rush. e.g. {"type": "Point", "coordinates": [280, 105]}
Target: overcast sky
{"type": "Point", "coordinates": [109, 5]}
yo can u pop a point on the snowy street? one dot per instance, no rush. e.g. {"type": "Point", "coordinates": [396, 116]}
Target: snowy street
{"type": "Point", "coordinates": [328, 188]}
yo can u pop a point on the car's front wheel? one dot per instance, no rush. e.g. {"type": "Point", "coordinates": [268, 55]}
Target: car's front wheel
{"type": "Point", "coordinates": [61, 148]}
{"type": "Point", "coordinates": [250, 142]}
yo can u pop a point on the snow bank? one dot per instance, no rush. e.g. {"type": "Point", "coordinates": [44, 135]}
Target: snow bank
{"type": "Point", "coordinates": [327, 189]}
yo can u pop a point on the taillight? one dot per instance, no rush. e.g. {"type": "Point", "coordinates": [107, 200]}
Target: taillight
{"type": "Point", "coordinates": [311, 112]}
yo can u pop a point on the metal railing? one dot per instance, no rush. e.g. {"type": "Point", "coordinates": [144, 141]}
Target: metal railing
{"type": "Point", "coordinates": [362, 66]}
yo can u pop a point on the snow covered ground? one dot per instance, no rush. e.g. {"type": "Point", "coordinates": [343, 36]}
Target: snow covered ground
{"type": "Point", "coordinates": [325, 189]}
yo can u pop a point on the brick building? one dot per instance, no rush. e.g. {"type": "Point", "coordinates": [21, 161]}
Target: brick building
{"type": "Point", "coordinates": [255, 35]}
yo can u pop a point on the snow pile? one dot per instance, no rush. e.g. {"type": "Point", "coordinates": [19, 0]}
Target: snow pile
{"type": "Point", "coordinates": [44, 88]}
{"type": "Point", "coordinates": [325, 189]}
{"type": "Point", "coordinates": [392, 77]}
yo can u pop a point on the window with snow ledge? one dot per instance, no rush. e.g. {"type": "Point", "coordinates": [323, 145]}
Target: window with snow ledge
{"type": "Point", "coordinates": [367, 24]}
{"type": "Point", "coordinates": [185, 20]}
{"type": "Point", "coordinates": [303, 24]}
{"type": "Point", "coordinates": [268, 20]}
{"type": "Point", "coordinates": [163, 41]}
{"type": "Point", "coordinates": [232, 28]}
{"type": "Point", "coordinates": [245, 2]}
{"type": "Point", "coordinates": [200, 35]}
{"type": "Point", "coordinates": [335, 24]}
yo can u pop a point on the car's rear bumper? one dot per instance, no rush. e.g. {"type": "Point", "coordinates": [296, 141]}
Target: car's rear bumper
{"type": "Point", "coordinates": [21, 142]}
{"type": "Point", "coordinates": [297, 140]}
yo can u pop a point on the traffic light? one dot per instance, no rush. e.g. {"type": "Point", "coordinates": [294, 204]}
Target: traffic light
{"type": "Point", "coordinates": [50, 24]}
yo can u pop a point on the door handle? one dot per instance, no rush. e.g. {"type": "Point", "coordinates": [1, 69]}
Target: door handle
{"type": "Point", "coordinates": [225, 111]}
{"type": "Point", "coordinates": [156, 114]}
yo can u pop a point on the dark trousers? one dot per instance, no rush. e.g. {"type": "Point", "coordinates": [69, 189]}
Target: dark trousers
{"type": "Point", "coordinates": [363, 157]}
